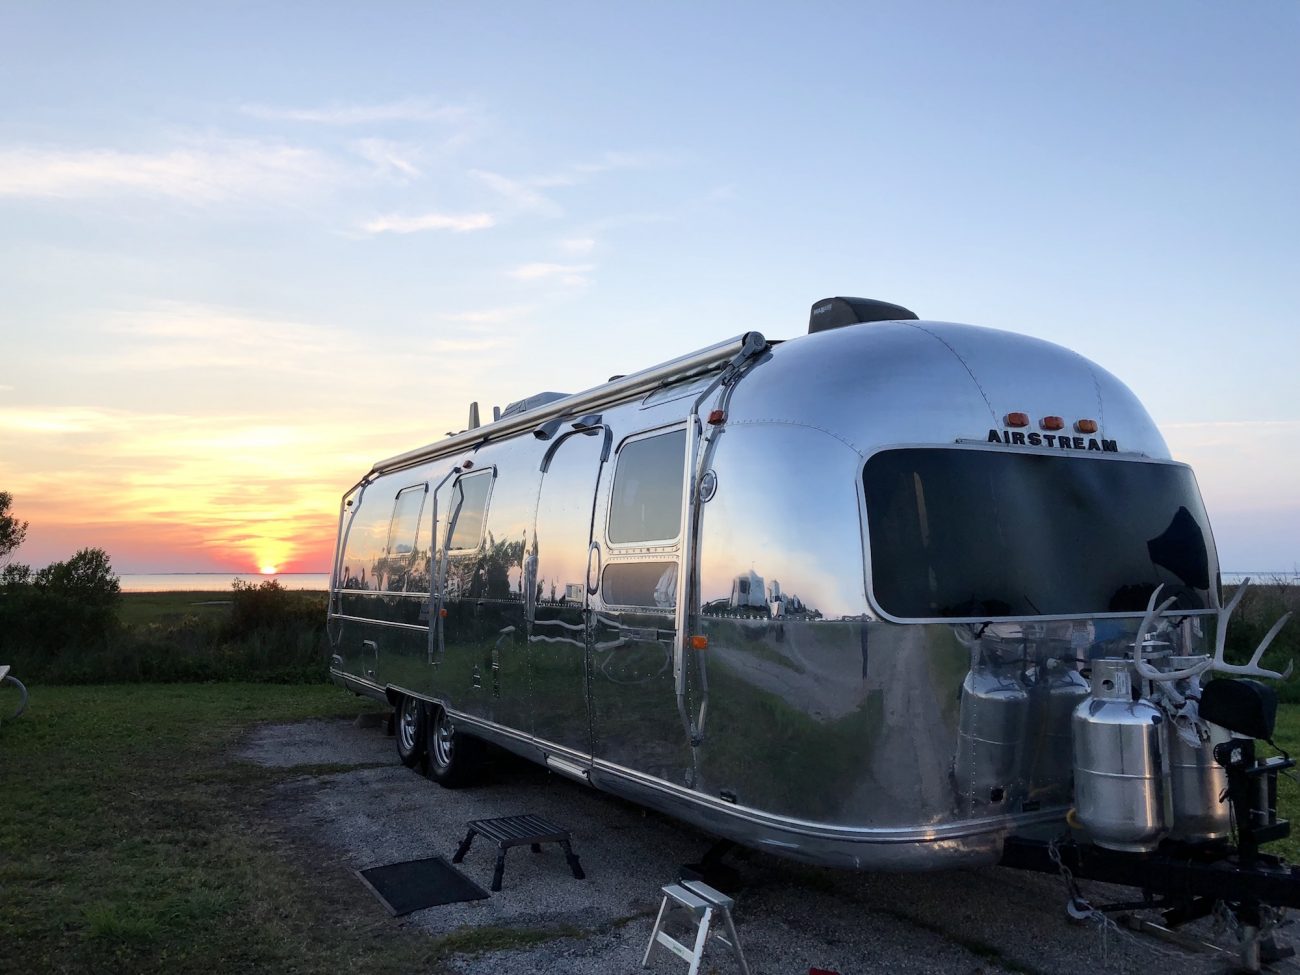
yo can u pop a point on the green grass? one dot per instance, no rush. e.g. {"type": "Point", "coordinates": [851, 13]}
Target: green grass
{"type": "Point", "coordinates": [1288, 789]}
{"type": "Point", "coordinates": [130, 843]}
{"type": "Point", "coordinates": [141, 608]}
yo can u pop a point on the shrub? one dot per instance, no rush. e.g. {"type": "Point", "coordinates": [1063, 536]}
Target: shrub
{"type": "Point", "coordinates": [61, 612]}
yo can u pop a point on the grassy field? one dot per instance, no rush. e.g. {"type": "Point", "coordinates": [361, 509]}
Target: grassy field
{"type": "Point", "coordinates": [130, 843]}
{"type": "Point", "coordinates": [142, 608]}
{"type": "Point", "coordinates": [251, 633]}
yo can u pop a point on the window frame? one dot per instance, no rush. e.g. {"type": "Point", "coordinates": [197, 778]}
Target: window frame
{"type": "Point", "coordinates": [664, 559]}
{"type": "Point", "coordinates": [491, 472]}
{"type": "Point", "coordinates": [650, 545]}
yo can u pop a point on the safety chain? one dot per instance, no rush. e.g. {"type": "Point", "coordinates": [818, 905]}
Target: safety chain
{"type": "Point", "coordinates": [1080, 909]}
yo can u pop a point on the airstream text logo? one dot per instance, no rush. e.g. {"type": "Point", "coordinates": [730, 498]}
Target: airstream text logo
{"type": "Point", "coordinates": [1017, 439]}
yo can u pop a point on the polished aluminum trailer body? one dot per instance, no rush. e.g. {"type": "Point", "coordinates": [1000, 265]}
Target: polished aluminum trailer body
{"type": "Point", "coordinates": [724, 587]}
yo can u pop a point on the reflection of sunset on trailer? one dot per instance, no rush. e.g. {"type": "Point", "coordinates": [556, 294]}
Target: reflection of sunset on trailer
{"type": "Point", "coordinates": [998, 599]}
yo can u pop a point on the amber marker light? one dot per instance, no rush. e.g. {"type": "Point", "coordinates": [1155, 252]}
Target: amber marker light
{"type": "Point", "coordinates": [1016, 419]}
{"type": "Point", "coordinates": [699, 643]}
{"type": "Point", "coordinates": [1086, 426]}
{"type": "Point", "coordinates": [1053, 423]}
{"type": "Point", "coordinates": [467, 465]}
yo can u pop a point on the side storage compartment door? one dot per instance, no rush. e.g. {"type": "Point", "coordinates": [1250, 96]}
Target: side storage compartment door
{"type": "Point", "coordinates": [561, 564]}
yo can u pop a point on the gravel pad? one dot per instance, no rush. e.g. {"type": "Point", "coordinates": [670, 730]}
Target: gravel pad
{"type": "Point", "coordinates": [789, 917]}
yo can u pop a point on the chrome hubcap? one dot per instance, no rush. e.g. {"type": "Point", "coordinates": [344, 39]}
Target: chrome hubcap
{"type": "Point", "coordinates": [407, 724]}
{"type": "Point", "coordinates": [444, 740]}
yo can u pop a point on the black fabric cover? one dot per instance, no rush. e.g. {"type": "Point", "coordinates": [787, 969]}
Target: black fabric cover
{"type": "Point", "coordinates": [1244, 707]}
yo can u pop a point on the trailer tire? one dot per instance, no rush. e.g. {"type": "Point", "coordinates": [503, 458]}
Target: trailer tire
{"type": "Point", "coordinates": [454, 756]}
{"type": "Point", "coordinates": [410, 719]}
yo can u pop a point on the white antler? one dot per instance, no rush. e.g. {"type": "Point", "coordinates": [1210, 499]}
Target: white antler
{"type": "Point", "coordinates": [1252, 669]}
{"type": "Point", "coordinates": [1143, 668]}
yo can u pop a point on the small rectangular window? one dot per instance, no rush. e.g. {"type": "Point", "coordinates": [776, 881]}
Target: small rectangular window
{"type": "Point", "coordinates": [646, 503]}
{"type": "Point", "coordinates": [400, 550]}
{"type": "Point", "coordinates": [640, 584]}
{"type": "Point", "coordinates": [469, 511]}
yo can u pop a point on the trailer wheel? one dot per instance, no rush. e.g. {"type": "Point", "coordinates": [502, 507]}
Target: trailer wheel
{"type": "Point", "coordinates": [409, 721]}
{"type": "Point", "coordinates": [453, 755]}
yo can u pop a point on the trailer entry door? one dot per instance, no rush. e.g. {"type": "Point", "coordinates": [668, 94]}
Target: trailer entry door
{"type": "Point", "coordinates": [559, 637]}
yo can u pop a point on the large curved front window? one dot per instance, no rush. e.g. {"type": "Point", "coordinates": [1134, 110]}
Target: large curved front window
{"type": "Point", "coordinates": [983, 534]}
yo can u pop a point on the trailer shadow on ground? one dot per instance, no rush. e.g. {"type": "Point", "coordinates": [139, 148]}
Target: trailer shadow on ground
{"type": "Point", "coordinates": [356, 807]}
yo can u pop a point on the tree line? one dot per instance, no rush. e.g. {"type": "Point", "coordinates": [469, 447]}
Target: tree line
{"type": "Point", "coordinates": [63, 623]}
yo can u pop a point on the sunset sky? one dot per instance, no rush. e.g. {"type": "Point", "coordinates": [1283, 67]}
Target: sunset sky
{"type": "Point", "coordinates": [248, 249]}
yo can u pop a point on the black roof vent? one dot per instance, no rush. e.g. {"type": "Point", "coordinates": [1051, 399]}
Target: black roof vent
{"type": "Point", "coordinates": [837, 312]}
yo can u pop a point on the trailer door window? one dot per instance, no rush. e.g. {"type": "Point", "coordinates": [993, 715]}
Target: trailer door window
{"type": "Point", "coordinates": [640, 584]}
{"type": "Point", "coordinates": [646, 503]}
{"type": "Point", "coordinates": [979, 534]}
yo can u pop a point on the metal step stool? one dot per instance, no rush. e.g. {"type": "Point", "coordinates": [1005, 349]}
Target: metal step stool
{"type": "Point", "coordinates": [508, 831]}
{"type": "Point", "coordinates": [702, 901]}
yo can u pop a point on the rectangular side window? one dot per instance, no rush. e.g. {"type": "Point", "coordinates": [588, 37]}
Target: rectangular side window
{"type": "Point", "coordinates": [646, 502]}
{"type": "Point", "coordinates": [469, 508]}
{"type": "Point", "coordinates": [401, 549]}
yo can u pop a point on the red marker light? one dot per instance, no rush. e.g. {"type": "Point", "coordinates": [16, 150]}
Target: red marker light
{"type": "Point", "coordinates": [1053, 423]}
{"type": "Point", "coordinates": [442, 614]}
{"type": "Point", "coordinates": [1016, 419]}
{"type": "Point", "coordinates": [1086, 426]}
{"type": "Point", "coordinates": [467, 465]}
{"type": "Point", "coordinates": [717, 417]}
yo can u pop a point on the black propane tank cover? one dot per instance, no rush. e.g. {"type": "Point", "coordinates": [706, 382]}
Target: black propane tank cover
{"type": "Point", "coordinates": [1244, 707]}
{"type": "Point", "coordinates": [837, 312]}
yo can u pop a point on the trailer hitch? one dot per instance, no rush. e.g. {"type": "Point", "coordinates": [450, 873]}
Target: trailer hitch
{"type": "Point", "coordinates": [1185, 882]}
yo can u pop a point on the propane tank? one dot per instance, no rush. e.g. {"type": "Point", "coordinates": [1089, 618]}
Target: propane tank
{"type": "Point", "coordinates": [1121, 781]}
{"type": "Point", "coordinates": [990, 732]}
{"type": "Point", "coordinates": [1200, 784]}
{"type": "Point", "coordinates": [1058, 688]}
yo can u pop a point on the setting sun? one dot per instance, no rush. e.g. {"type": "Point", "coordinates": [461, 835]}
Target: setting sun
{"type": "Point", "coordinates": [268, 570]}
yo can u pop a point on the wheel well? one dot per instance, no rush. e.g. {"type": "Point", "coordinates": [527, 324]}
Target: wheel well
{"type": "Point", "coordinates": [395, 695]}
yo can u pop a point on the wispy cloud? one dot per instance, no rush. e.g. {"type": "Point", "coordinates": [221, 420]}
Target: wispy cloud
{"type": "Point", "coordinates": [578, 246]}
{"type": "Point", "coordinates": [489, 316]}
{"type": "Point", "coordinates": [570, 275]}
{"type": "Point", "coordinates": [405, 110]}
{"type": "Point", "coordinates": [389, 158]}
{"type": "Point", "coordinates": [458, 222]}
{"type": "Point", "coordinates": [525, 193]}
{"type": "Point", "coordinates": [204, 172]}
{"type": "Point", "coordinates": [610, 161]}
{"type": "Point", "coordinates": [521, 194]}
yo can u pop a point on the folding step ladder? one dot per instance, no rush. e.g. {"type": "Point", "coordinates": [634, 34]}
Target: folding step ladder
{"type": "Point", "coordinates": [702, 902]}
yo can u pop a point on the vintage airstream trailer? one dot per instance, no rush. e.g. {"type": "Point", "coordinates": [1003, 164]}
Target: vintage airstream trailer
{"type": "Point", "coordinates": [837, 597]}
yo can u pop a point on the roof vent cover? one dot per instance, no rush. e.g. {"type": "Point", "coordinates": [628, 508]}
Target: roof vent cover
{"type": "Point", "coordinates": [832, 313]}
